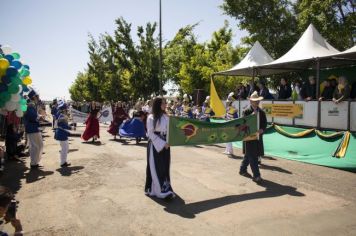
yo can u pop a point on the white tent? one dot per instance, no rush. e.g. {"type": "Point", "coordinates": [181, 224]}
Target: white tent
{"type": "Point", "coordinates": [255, 57]}
{"type": "Point", "coordinates": [310, 47]}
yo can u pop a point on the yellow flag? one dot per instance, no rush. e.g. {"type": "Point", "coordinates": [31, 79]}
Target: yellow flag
{"type": "Point", "coordinates": [215, 102]}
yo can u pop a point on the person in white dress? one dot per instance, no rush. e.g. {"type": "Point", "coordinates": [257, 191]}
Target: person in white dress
{"type": "Point", "coordinates": [158, 183]}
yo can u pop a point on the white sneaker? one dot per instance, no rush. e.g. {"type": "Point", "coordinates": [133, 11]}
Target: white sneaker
{"type": "Point", "coordinates": [228, 153]}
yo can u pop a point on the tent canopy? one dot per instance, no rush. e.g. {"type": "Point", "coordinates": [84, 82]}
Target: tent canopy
{"type": "Point", "coordinates": [310, 47]}
{"type": "Point", "coordinates": [255, 57]}
{"type": "Point", "coordinates": [311, 51]}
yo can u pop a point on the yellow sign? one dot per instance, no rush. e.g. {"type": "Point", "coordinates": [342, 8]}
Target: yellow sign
{"type": "Point", "coordinates": [284, 110]}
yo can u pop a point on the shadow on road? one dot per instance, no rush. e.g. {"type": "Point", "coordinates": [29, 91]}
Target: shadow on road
{"type": "Point", "coordinates": [96, 143]}
{"type": "Point", "coordinates": [13, 173]}
{"type": "Point", "coordinates": [178, 206]}
{"type": "Point", "coordinates": [35, 175]}
{"type": "Point", "coordinates": [274, 168]}
{"type": "Point", "coordinates": [68, 171]}
{"type": "Point", "coordinates": [73, 150]}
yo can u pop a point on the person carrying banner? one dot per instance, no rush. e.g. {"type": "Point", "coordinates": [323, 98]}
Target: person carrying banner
{"type": "Point", "coordinates": [62, 133]}
{"type": "Point", "coordinates": [231, 113]}
{"type": "Point", "coordinates": [254, 148]}
{"type": "Point", "coordinates": [92, 123]}
{"type": "Point", "coordinates": [34, 136]}
{"type": "Point", "coordinates": [119, 116]}
{"type": "Point", "coordinates": [158, 181]}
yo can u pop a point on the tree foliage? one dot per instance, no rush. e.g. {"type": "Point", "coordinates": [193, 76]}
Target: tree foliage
{"type": "Point", "coordinates": [121, 68]}
{"type": "Point", "coordinates": [277, 24]}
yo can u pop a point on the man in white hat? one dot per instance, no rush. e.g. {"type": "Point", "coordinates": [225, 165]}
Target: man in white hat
{"type": "Point", "coordinates": [254, 148]}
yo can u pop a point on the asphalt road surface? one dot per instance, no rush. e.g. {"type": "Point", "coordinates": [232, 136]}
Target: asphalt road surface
{"type": "Point", "coordinates": [102, 194]}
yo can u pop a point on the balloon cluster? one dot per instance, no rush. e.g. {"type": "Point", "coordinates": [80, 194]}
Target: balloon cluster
{"type": "Point", "coordinates": [14, 81]}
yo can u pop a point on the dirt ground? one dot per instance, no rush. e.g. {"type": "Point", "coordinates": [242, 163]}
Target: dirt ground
{"type": "Point", "coordinates": [102, 194]}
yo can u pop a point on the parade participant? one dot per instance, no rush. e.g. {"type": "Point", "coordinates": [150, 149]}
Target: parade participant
{"type": "Point", "coordinates": [178, 108]}
{"type": "Point", "coordinates": [147, 108]}
{"type": "Point", "coordinates": [170, 108]}
{"type": "Point", "coordinates": [119, 116]}
{"type": "Point", "coordinates": [62, 133]}
{"type": "Point", "coordinates": [186, 108]}
{"type": "Point", "coordinates": [34, 136]}
{"type": "Point", "coordinates": [231, 113]}
{"type": "Point", "coordinates": [158, 181]}
{"type": "Point", "coordinates": [254, 148]}
{"type": "Point", "coordinates": [92, 123]}
{"type": "Point", "coordinates": [54, 111]}
{"type": "Point", "coordinates": [207, 110]}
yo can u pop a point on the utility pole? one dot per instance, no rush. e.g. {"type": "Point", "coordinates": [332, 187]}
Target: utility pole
{"type": "Point", "coordinates": [160, 49]}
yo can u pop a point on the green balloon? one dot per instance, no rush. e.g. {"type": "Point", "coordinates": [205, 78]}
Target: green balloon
{"type": "Point", "coordinates": [5, 96]}
{"type": "Point", "coordinates": [14, 88]}
{"type": "Point", "coordinates": [24, 73]}
{"type": "Point", "coordinates": [16, 81]}
{"type": "Point", "coordinates": [1, 56]}
{"type": "Point", "coordinates": [23, 102]}
{"type": "Point", "coordinates": [16, 55]}
{"type": "Point", "coordinates": [23, 108]}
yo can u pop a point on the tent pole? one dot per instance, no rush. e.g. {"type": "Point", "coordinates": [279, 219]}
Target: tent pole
{"type": "Point", "coordinates": [318, 91]}
{"type": "Point", "coordinates": [317, 78]}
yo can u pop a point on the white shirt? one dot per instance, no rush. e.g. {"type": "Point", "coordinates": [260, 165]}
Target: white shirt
{"type": "Point", "coordinates": [161, 127]}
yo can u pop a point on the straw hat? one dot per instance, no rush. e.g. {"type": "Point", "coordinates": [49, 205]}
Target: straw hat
{"type": "Point", "coordinates": [254, 97]}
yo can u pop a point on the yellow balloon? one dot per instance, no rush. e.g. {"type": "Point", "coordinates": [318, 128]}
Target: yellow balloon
{"type": "Point", "coordinates": [27, 80]}
{"type": "Point", "coordinates": [2, 73]}
{"type": "Point", "coordinates": [4, 64]}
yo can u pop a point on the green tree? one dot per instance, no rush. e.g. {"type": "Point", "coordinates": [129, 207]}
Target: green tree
{"type": "Point", "coordinates": [335, 19]}
{"type": "Point", "coordinates": [271, 22]}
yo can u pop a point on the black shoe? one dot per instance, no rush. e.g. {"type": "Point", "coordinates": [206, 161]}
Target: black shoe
{"type": "Point", "coordinates": [257, 180]}
{"type": "Point", "coordinates": [35, 167]}
{"type": "Point", "coordinates": [66, 164]}
{"type": "Point", "coordinates": [245, 174]}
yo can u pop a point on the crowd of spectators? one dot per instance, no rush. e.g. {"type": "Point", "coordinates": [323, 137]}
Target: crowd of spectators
{"type": "Point", "coordinates": [335, 89]}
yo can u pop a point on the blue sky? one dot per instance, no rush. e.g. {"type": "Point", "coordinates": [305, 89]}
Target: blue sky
{"type": "Point", "coordinates": [52, 36]}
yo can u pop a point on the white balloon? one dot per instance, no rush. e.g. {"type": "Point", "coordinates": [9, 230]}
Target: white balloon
{"type": "Point", "coordinates": [20, 89]}
{"type": "Point", "coordinates": [15, 98]}
{"type": "Point", "coordinates": [10, 106]}
{"type": "Point", "coordinates": [6, 49]}
{"type": "Point", "coordinates": [19, 113]}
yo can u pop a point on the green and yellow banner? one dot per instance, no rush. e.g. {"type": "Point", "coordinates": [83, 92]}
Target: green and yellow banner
{"type": "Point", "coordinates": [284, 110]}
{"type": "Point", "coordinates": [184, 131]}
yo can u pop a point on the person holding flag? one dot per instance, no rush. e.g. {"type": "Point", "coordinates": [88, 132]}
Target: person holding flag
{"type": "Point", "coordinates": [252, 149]}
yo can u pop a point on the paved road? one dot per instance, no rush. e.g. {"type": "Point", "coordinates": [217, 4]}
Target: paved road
{"type": "Point", "coordinates": [102, 194]}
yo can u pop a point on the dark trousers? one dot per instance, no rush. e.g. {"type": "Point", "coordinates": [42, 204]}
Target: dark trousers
{"type": "Point", "coordinates": [253, 162]}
